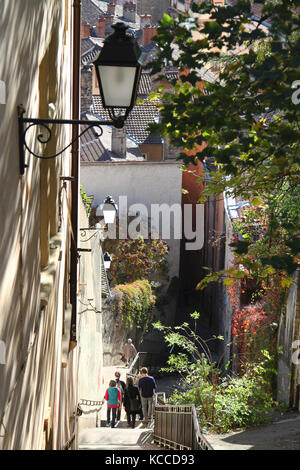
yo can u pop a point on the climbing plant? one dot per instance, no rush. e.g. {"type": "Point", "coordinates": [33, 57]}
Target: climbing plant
{"type": "Point", "coordinates": [257, 291]}
{"type": "Point", "coordinates": [87, 200]}
{"type": "Point", "coordinates": [135, 304]}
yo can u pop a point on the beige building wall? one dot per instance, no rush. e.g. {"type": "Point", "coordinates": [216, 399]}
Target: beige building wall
{"type": "Point", "coordinates": [90, 373]}
{"type": "Point", "coordinates": [38, 378]}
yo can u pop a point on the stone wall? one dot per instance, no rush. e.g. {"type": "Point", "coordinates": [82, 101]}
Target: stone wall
{"type": "Point", "coordinates": [114, 334]}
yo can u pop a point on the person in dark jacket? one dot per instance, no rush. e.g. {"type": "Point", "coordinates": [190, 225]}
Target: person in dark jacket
{"type": "Point", "coordinates": [132, 402]}
{"type": "Point", "coordinates": [147, 387]}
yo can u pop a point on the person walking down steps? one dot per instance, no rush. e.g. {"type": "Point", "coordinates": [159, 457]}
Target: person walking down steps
{"type": "Point", "coordinates": [129, 352]}
{"type": "Point", "coordinates": [147, 387]}
{"type": "Point", "coordinates": [114, 400]}
{"type": "Point", "coordinates": [121, 385]}
{"type": "Point", "coordinates": [132, 402]}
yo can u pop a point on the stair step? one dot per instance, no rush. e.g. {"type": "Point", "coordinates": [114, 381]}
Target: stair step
{"type": "Point", "coordinates": [116, 438]}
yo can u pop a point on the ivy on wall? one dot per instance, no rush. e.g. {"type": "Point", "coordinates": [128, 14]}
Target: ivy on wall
{"type": "Point", "coordinates": [87, 200]}
{"type": "Point", "coordinates": [135, 303]}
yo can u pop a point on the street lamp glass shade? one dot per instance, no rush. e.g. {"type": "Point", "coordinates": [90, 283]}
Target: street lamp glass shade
{"type": "Point", "coordinates": [118, 69]}
{"type": "Point", "coordinates": [109, 210]}
{"type": "Point", "coordinates": [117, 85]}
{"type": "Point", "coordinates": [109, 213]}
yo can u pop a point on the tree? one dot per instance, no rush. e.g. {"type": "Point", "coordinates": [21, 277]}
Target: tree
{"type": "Point", "coordinates": [137, 259]}
{"type": "Point", "coordinates": [247, 118]}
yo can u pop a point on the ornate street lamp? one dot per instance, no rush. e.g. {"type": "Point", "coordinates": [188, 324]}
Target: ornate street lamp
{"type": "Point", "coordinates": [118, 70]}
{"type": "Point", "coordinates": [109, 210]}
{"type": "Point", "coordinates": [107, 260]}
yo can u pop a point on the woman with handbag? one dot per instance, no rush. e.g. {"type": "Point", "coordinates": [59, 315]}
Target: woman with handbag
{"type": "Point", "coordinates": [132, 402]}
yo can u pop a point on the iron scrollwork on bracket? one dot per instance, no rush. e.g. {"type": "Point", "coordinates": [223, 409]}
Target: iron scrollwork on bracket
{"type": "Point", "coordinates": [27, 123]}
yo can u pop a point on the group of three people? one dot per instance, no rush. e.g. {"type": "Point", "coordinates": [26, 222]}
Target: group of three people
{"type": "Point", "coordinates": [136, 399]}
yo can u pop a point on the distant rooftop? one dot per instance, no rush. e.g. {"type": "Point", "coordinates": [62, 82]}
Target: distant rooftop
{"type": "Point", "coordinates": [137, 122]}
{"type": "Point", "coordinates": [89, 51]}
{"type": "Point", "coordinates": [90, 12]}
{"type": "Point", "coordinates": [98, 149]}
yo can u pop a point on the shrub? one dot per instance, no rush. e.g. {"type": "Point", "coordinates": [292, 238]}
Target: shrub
{"type": "Point", "coordinates": [222, 403]}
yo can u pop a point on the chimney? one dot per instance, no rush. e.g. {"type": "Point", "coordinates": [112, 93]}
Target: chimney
{"type": "Point", "coordinates": [86, 88]}
{"type": "Point", "coordinates": [85, 30]}
{"type": "Point", "coordinates": [148, 33]}
{"type": "Point", "coordinates": [118, 141]}
{"type": "Point", "coordinates": [145, 19]}
{"type": "Point", "coordinates": [111, 8]}
{"type": "Point", "coordinates": [129, 11]}
{"type": "Point", "coordinates": [109, 21]}
{"type": "Point", "coordinates": [95, 83]}
{"type": "Point", "coordinates": [101, 26]}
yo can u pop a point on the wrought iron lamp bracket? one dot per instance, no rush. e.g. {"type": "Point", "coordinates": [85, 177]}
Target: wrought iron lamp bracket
{"type": "Point", "coordinates": [25, 123]}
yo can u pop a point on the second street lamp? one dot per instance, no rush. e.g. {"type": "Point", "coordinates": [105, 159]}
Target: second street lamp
{"type": "Point", "coordinates": [109, 208]}
{"type": "Point", "coordinates": [107, 260]}
{"type": "Point", "coordinates": [118, 70]}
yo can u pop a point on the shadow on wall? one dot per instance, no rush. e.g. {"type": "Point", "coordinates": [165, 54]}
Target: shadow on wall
{"type": "Point", "coordinates": [23, 378]}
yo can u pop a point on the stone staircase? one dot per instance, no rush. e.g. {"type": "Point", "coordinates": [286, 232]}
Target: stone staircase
{"type": "Point", "coordinates": [119, 438]}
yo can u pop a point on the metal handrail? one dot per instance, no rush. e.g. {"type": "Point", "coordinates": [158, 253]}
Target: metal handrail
{"type": "Point", "coordinates": [135, 360]}
{"type": "Point", "coordinates": [134, 368]}
{"type": "Point", "coordinates": [203, 443]}
{"type": "Point", "coordinates": [177, 427]}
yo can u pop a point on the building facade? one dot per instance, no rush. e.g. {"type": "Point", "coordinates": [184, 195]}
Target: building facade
{"type": "Point", "coordinates": [38, 372]}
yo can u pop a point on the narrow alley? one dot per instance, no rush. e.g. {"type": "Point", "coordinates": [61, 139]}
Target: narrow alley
{"type": "Point", "coordinates": [150, 208]}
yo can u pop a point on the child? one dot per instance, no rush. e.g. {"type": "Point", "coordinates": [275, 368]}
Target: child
{"type": "Point", "coordinates": [114, 400]}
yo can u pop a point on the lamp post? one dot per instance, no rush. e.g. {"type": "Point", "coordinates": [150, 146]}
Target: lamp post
{"type": "Point", "coordinates": [118, 69]}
